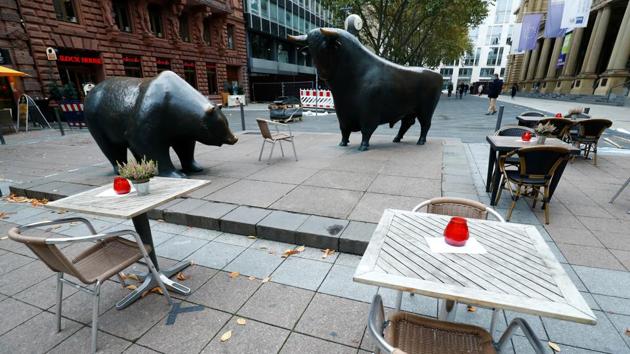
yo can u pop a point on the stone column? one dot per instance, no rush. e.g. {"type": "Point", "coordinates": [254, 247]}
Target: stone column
{"type": "Point", "coordinates": [524, 64]}
{"type": "Point", "coordinates": [550, 80]}
{"type": "Point", "coordinates": [542, 60]}
{"type": "Point", "coordinates": [616, 72]}
{"type": "Point", "coordinates": [531, 67]}
{"type": "Point", "coordinates": [587, 77]}
{"type": "Point", "coordinates": [568, 72]}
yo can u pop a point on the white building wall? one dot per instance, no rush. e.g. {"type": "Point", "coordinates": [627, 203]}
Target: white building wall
{"type": "Point", "coordinates": [481, 43]}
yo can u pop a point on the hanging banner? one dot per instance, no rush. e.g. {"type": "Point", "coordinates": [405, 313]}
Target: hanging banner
{"type": "Point", "coordinates": [553, 24]}
{"type": "Point", "coordinates": [566, 47]}
{"type": "Point", "coordinates": [516, 38]}
{"type": "Point", "coordinates": [575, 14]}
{"type": "Point", "coordinates": [529, 31]}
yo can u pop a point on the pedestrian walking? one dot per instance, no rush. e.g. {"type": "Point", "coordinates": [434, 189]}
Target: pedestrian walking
{"type": "Point", "coordinates": [480, 89]}
{"type": "Point", "coordinates": [514, 89]}
{"type": "Point", "coordinates": [449, 88]}
{"type": "Point", "coordinates": [461, 91]}
{"type": "Point", "coordinates": [465, 89]}
{"type": "Point", "coordinates": [494, 89]}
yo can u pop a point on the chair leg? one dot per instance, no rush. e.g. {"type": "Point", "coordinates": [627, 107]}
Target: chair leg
{"type": "Point", "coordinates": [273, 145]}
{"type": "Point", "coordinates": [281, 149]}
{"type": "Point", "coordinates": [546, 203]}
{"type": "Point", "coordinates": [501, 186]}
{"type": "Point", "coordinates": [294, 151]}
{"type": "Point", "coordinates": [95, 305]}
{"type": "Point", "coordinates": [536, 191]}
{"type": "Point", "coordinates": [595, 154]}
{"type": "Point", "coordinates": [399, 298]}
{"type": "Point", "coordinates": [261, 150]}
{"type": "Point", "coordinates": [59, 300]}
{"type": "Point", "coordinates": [514, 200]}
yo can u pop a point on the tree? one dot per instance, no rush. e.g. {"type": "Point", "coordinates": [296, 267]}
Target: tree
{"type": "Point", "coordinates": [415, 32]}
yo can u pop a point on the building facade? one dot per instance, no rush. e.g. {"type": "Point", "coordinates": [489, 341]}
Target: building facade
{"type": "Point", "coordinates": [201, 40]}
{"type": "Point", "coordinates": [491, 46]}
{"type": "Point", "coordinates": [274, 62]}
{"type": "Point", "coordinates": [597, 61]}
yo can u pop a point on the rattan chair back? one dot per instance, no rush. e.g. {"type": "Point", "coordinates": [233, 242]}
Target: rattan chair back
{"type": "Point", "coordinates": [514, 130]}
{"type": "Point", "coordinates": [539, 162]}
{"type": "Point", "coordinates": [532, 114]}
{"type": "Point", "coordinates": [563, 126]}
{"type": "Point", "coordinates": [592, 129]}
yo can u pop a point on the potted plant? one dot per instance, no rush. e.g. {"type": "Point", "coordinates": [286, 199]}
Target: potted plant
{"type": "Point", "coordinates": [543, 131]}
{"type": "Point", "coordinates": [139, 173]}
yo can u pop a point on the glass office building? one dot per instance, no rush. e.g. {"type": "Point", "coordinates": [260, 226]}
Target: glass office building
{"type": "Point", "coordinates": [272, 59]}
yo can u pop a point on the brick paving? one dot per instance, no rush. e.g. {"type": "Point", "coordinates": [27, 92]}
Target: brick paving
{"type": "Point", "coordinates": [310, 304]}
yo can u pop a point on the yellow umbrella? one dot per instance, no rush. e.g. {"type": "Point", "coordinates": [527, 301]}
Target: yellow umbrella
{"type": "Point", "coordinates": [10, 72]}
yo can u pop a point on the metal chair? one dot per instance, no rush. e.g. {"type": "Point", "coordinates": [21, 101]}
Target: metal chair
{"type": "Point", "coordinates": [406, 333]}
{"type": "Point", "coordinates": [563, 127]}
{"type": "Point", "coordinates": [588, 133]}
{"type": "Point", "coordinates": [458, 207]}
{"type": "Point", "coordinates": [537, 167]}
{"type": "Point", "coordinates": [272, 138]}
{"type": "Point", "coordinates": [107, 257]}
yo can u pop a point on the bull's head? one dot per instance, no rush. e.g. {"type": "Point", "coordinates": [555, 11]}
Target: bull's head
{"type": "Point", "coordinates": [215, 129]}
{"type": "Point", "coordinates": [327, 47]}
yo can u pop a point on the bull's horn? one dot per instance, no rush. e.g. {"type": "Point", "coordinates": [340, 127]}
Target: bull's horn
{"type": "Point", "coordinates": [329, 32]}
{"type": "Point", "coordinates": [297, 39]}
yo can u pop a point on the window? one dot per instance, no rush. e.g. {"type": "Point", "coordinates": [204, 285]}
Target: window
{"type": "Point", "coordinates": [273, 11]}
{"type": "Point", "coordinates": [511, 34]}
{"type": "Point", "coordinates": [132, 65]}
{"type": "Point", "coordinates": [190, 74]}
{"type": "Point", "coordinates": [502, 74]}
{"type": "Point", "coordinates": [262, 46]}
{"type": "Point", "coordinates": [211, 72]}
{"type": "Point", "coordinates": [465, 72]}
{"type": "Point", "coordinates": [471, 60]}
{"type": "Point", "coordinates": [494, 35]}
{"type": "Point", "coordinates": [504, 11]}
{"type": "Point", "coordinates": [283, 53]}
{"type": "Point", "coordinates": [446, 72]}
{"type": "Point", "coordinates": [473, 34]}
{"type": "Point", "coordinates": [486, 72]}
{"type": "Point", "coordinates": [162, 64]}
{"type": "Point", "coordinates": [230, 36]}
{"type": "Point", "coordinates": [495, 55]}
{"type": "Point", "coordinates": [264, 8]}
{"type": "Point", "coordinates": [155, 19]}
{"type": "Point", "coordinates": [65, 10]}
{"type": "Point", "coordinates": [121, 15]}
{"type": "Point", "coordinates": [207, 31]}
{"type": "Point", "coordinates": [253, 7]}
{"type": "Point", "coordinates": [184, 29]}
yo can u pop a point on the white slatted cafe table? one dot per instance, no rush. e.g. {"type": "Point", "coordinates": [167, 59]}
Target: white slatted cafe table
{"type": "Point", "coordinates": [518, 272]}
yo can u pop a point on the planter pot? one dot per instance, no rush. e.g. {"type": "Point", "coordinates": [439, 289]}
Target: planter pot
{"type": "Point", "coordinates": [142, 187]}
{"type": "Point", "coordinates": [541, 140]}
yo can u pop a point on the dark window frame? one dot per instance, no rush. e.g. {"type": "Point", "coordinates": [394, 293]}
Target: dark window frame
{"type": "Point", "coordinates": [230, 36]}
{"type": "Point", "coordinates": [121, 15]}
{"type": "Point", "coordinates": [184, 27]}
{"type": "Point", "coordinates": [211, 74]}
{"type": "Point", "coordinates": [156, 20]}
{"type": "Point", "coordinates": [62, 13]}
{"type": "Point", "coordinates": [188, 70]}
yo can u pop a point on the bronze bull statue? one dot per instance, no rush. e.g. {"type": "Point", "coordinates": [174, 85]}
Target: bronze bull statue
{"type": "Point", "coordinates": [368, 90]}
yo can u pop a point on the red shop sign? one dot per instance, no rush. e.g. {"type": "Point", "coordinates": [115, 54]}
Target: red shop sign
{"type": "Point", "coordinates": [163, 62]}
{"type": "Point", "coordinates": [189, 65]}
{"type": "Point", "coordinates": [79, 59]}
{"type": "Point", "coordinates": [132, 60]}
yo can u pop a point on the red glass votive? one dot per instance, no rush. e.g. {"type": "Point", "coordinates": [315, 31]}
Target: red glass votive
{"type": "Point", "coordinates": [456, 232]}
{"type": "Point", "coordinates": [526, 136]}
{"type": "Point", "coordinates": [121, 185]}
{"type": "Point", "coordinates": [558, 115]}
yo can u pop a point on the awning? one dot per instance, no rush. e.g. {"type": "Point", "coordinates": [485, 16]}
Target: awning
{"type": "Point", "coordinates": [4, 72]}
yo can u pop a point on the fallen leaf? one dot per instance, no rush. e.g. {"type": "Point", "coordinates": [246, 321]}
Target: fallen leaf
{"type": "Point", "coordinates": [4, 237]}
{"type": "Point", "coordinates": [327, 252]}
{"type": "Point", "coordinates": [181, 276]}
{"type": "Point", "coordinates": [144, 294]}
{"type": "Point", "coordinates": [241, 321]}
{"type": "Point", "coordinates": [628, 331]}
{"type": "Point", "coordinates": [251, 237]}
{"type": "Point", "coordinates": [262, 247]}
{"type": "Point", "coordinates": [227, 335]}
{"type": "Point", "coordinates": [34, 201]}
{"type": "Point", "coordinates": [252, 278]}
{"type": "Point", "coordinates": [300, 248]}
{"type": "Point", "coordinates": [133, 277]}
{"type": "Point", "coordinates": [555, 347]}
{"type": "Point", "coordinates": [157, 290]}
{"type": "Point", "coordinates": [160, 220]}
{"type": "Point", "coordinates": [122, 276]}
{"type": "Point", "coordinates": [471, 308]}
{"type": "Point", "coordinates": [131, 287]}
{"type": "Point", "coordinates": [266, 279]}
{"type": "Point", "coordinates": [234, 274]}
{"type": "Point", "coordinates": [289, 252]}
{"type": "Point", "coordinates": [3, 215]}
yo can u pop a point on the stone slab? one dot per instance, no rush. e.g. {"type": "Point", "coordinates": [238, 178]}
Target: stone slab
{"type": "Point", "coordinates": [225, 293]}
{"type": "Point", "coordinates": [178, 212]}
{"type": "Point", "coordinates": [335, 203]}
{"type": "Point", "coordinates": [208, 215]}
{"type": "Point", "coordinates": [321, 232]}
{"type": "Point", "coordinates": [356, 237]}
{"type": "Point", "coordinates": [254, 193]}
{"type": "Point", "coordinates": [243, 220]}
{"type": "Point", "coordinates": [254, 337]}
{"type": "Point", "coordinates": [277, 304]}
{"type": "Point", "coordinates": [302, 273]}
{"type": "Point", "coordinates": [280, 226]}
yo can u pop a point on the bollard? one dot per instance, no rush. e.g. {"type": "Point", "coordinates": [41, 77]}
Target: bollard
{"type": "Point", "coordinates": [3, 142]}
{"type": "Point", "coordinates": [56, 110]}
{"type": "Point", "coordinates": [587, 109]}
{"type": "Point", "coordinates": [499, 118]}
{"type": "Point", "coordinates": [242, 114]}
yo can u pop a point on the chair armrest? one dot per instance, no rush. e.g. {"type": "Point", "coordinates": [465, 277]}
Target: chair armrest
{"type": "Point", "coordinates": [58, 222]}
{"type": "Point", "coordinates": [95, 237]}
{"type": "Point", "coordinates": [276, 123]}
{"type": "Point", "coordinates": [376, 325]}
{"type": "Point", "coordinates": [503, 158]}
{"type": "Point", "coordinates": [527, 330]}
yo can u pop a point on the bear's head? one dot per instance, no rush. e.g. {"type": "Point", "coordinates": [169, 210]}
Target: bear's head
{"type": "Point", "coordinates": [215, 129]}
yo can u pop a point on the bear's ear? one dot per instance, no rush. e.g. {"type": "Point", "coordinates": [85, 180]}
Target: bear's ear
{"type": "Point", "coordinates": [219, 106]}
{"type": "Point", "coordinates": [210, 109]}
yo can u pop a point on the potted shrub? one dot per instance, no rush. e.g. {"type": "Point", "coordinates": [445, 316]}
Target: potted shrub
{"type": "Point", "coordinates": [543, 131]}
{"type": "Point", "coordinates": [139, 173]}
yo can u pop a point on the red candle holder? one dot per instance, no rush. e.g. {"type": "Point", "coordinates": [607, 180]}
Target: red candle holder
{"type": "Point", "coordinates": [456, 232]}
{"type": "Point", "coordinates": [121, 185]}
{"type": "Point", "coordinates": [558, 115]}
{"type": "Point", "coordinates": [526, 136]}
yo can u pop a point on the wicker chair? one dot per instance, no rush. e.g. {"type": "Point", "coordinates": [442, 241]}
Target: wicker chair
{"type": "Point", "coordinates": [532, 114]}
{"type": "Point", "coordinates": [537, 167]}
{"type": "Point", "coordinates": [563, 127]}
{"type": "Point", "coordinates": [458, 207]}
{"type": "Point", "coordinates": [405, 333]}
{"type": "Point", "coordinates": [514, 130]}
{"type": "Point", "coordinates": [110, 255]}
{"type": "Point", "coordinates": [588, 133]}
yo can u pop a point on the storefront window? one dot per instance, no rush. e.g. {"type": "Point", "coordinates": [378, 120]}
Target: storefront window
{"type": "Point", "coordinates": [262, 46]}
{"type": "Point", "coordinates": [132, 65]}
{"type": "Point", "coordinates": [190, 74]}
{"type": "Point", "coordinates": [162, 64]}
{"type": "Point", "coordinates": [65, 10]}
{"type": "Point", "coordinates": [230, 36]}
{"type": "Point", "coordinates": [207, 31]}
{"type": "Point", "coordinates": [155, 19]}
{"type": "Point", "coordinates": [121, 15]}
{"type": "Point", "coordinates": [184, 29]}
{"type": "Point", "coordinates": [211, 71]}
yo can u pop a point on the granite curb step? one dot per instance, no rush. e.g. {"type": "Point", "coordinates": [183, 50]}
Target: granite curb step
{"type": "Point", "coordinates": [346, 236]}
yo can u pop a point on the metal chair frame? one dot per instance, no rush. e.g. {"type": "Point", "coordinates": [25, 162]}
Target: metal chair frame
{"type": "Point", "coordinates": [626, 183]}
{"type": "Point", "coordinates": [95, 291]}
{"type": "Point", "coordinates": [278, 137]}
{"type": "Point", "coordinates": [377, 325]}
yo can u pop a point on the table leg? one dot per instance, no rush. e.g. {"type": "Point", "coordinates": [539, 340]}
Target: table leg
{"type": "Point", "coordinates": [399, 297]}
{"type": "Point", "coordinates": [141, 223]}
{"type": "Point", "coordinates": [492, 158]}
{"type": "Point", "coordinates": [448, 310]}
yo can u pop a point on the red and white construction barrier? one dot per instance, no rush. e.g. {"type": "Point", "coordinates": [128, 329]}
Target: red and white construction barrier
{"type": "Point", "coordinates": [316, 99]}
{"type": "Point", "coordinates": [74, 114]}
